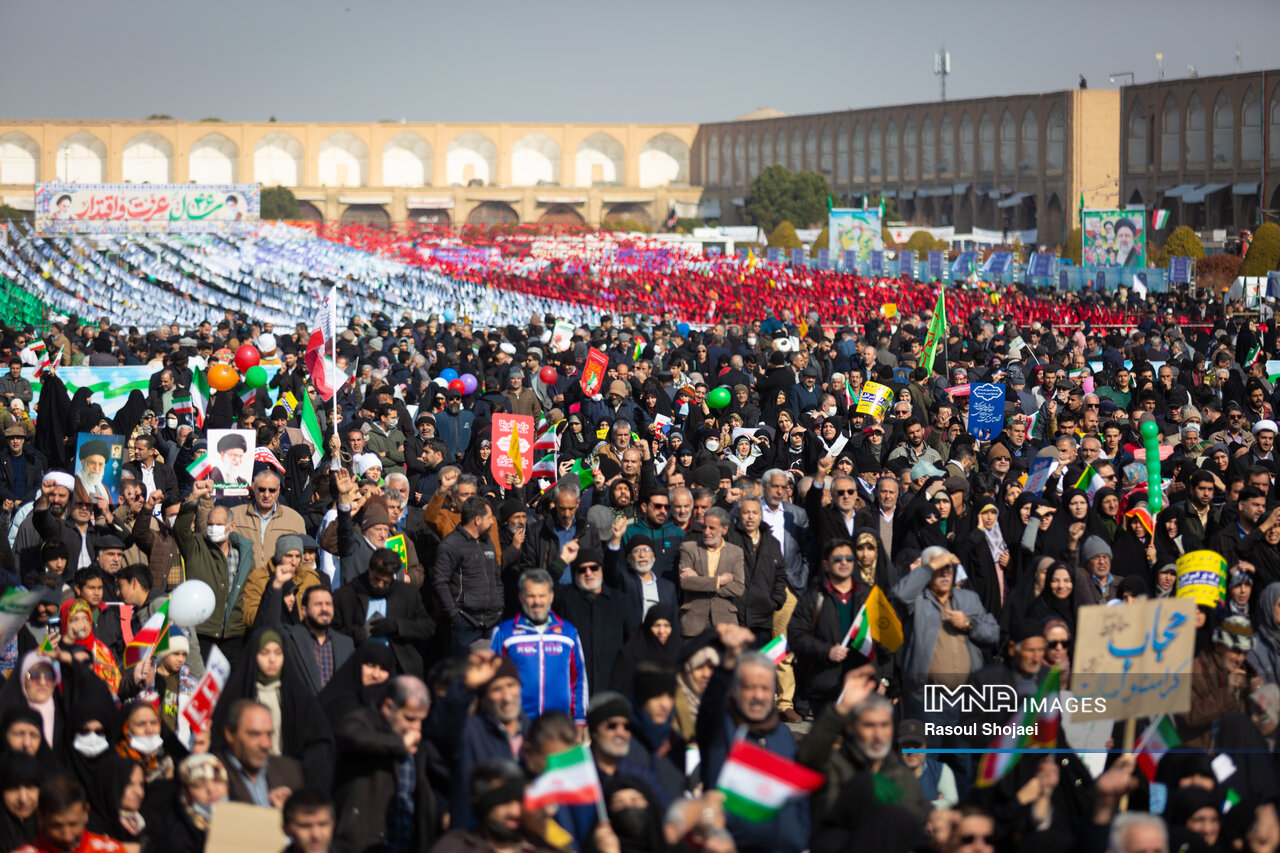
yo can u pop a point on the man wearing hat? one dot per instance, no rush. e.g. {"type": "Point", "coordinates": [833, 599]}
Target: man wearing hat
{"type": "Point", "coordinates": [21, 468]}
{"type": "Point", "coordinates": [1221, 680]}
{"type": "Point", "coordinates": [609, 724]}
{"type": "Point", "coordinates": [1095, 557]}
{"type": "Point", "coordinates": [937, 781]}
{"type": "Point", "coordinates": [522, 400]}
{"type": "Point", "coordinates": [1262, 451]}
{"type": "Point", "coordinates": [640, 580]}
{"type": "Point", "coordinates": [600, 613]}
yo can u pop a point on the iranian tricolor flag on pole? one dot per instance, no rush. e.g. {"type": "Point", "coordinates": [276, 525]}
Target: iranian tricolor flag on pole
{"type": "Point", "coordinates": [200, 468]}
{"type": "Point", "coordinates": [776, 649]}
{"type": "Point", "coordinates": [757, 783]}
{"type": "Point", "coordinates": [199, 395]}
{"type": "Point", "coordinates": [311, 429]}
{"type": "Point", "coordinates": [324, 372]}
{"type": "Point", "coordinates": [1156, 741]}
{"type": "Point", "coordinates": [569, 780]}
{"type": "Point", "coordinates": [859, 636]}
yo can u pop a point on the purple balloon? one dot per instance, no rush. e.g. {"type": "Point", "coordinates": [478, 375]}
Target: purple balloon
{"type": "Point", "coordinates": [469, 383]}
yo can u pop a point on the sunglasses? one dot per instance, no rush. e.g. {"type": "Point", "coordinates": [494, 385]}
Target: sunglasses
{"type": "Point", "coordinates": [844, 493]}
{"type": "Point", "coordinates": [582, 570]}
{"type": "Point", "coordinates": [841, 558]}
{"type": "Point", "coordinates": [616, 725]}
{"type": "Point", "coordinates": [971, 839]}
{"type": "Point", "coordinates": [41, 675]}
{"type": "Point", "coordinates": [265, 491]}
{"type": "Point", "coordinates": [1057, 644]}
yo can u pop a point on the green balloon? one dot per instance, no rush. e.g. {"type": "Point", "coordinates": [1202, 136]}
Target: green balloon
{"type": "Point", "coordinates": [1150, 431]}
{"type": "Point", "coordinates": [719, 398]}
{"type": "Point", "coordinates": [256, 376]}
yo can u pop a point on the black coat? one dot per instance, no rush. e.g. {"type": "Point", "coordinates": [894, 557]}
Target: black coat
{"type": "Point", "coordinates": [166, 480]}
{"type": "Point", "coordinates": [29, 488]}
{"type": "Point", "coordinates": [368, 755]}
{"type": "Point", "coordinates": [407, 625]}
{"type": "Point", "coordinates": [467, 579]}
{"type": "Point", "coordinates": [542, 548]}
{"type": "Point", "coordinates": [810, 636]}
{"type": "Point", "coordinates": [604, 624]}
{"type": "Point", "coordinates": [766, 579]}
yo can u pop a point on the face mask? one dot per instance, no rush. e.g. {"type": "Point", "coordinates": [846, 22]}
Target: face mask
{"type": "Point", "coordinates": [393, 422]}
{"type": "Point", "coordinates": [146, 744]}
{"type": "Point", "coordinates": [751, 341]}
{"type": "Point", "coordinates": [170, 520]}
{"type": "Point", "coordinates": [713, 445]}
{"type": "Point", "coordinates": [91, 745]}
{"type": "Point", "coordinates": [204, 810]}
{"type": "Point", "coordinates": [172, 423]}
{"type": "Point", "coordinates": [630, 823]}
{"type": "Point", "coordinates": [831, 411]}
{"type": "Point", "coordinates": [216, 533]}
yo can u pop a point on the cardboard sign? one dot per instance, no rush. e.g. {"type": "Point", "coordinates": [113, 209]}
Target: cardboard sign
{"type": "Point", "coordinates": [1202, 577]}
{"type": "Point", "coordinates": [245, 828]}
{"type": "Point", "coordinates": [1134, 660]}
{"type": "Point", "coordinates": [512, 445]}
{"type": "Point", "coordinates": [593, 372]}
{"type": "Point", "coordinates": [198, 711]}
{"type": "Point", "coordinates": [562, 336]}
{"type": "Point", "coordinates": [873, 399]}
{"type": "Point", "coordinates": [986, 410]}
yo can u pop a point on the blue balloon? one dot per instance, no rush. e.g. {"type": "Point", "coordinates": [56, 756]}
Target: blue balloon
{"type": "Point", "coordinates": [450, 315]}
{"type": "Point", "coordinates": [683, 329]}
{"type": "Point", "coordinates": [448, 374]}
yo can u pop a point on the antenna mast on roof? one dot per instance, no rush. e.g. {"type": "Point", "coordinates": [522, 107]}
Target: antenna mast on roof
{"type": "Point", "coordinates": [942, 67]}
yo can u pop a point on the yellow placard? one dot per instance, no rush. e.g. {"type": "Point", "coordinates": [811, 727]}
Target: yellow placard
{"type": "Point", "coordinates": [874, 399]}
{"type": "Point", "coordinates": [1202, 576]}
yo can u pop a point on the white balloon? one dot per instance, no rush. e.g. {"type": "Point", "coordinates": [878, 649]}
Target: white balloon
{"type": "Point", "coordinates": [190, 603]}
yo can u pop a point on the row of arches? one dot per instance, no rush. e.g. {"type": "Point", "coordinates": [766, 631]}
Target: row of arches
{"type": "Point", "coordinates": [1191, 136]}
{"type": "Point", "coordinates": [342, 160]}
{"type": "Point", "coordinates": [885, 149]}
{"type": "Point", "coordinates": [485, 213]}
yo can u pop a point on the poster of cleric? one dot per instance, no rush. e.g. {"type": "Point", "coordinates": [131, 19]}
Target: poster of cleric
{"type": "Point", "coordinates": [99, 459]}
{"type": "Point", "coordinates": [1113, 238]}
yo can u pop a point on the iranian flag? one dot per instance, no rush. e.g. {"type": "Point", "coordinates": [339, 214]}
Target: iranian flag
{"type": "Point", "coordinates": [776, 649]}
{"type": "Point", "coordinates": [569, 780]}
{"type": "Point", "coordinates": [46, 362]}
{"type": "Point", "coordinates": [1159, 219]}
{"type": "Point", "coordinates": [200, 468]}
{"type": "Point", "coordinates": [145, 641]}
{"type": "Point", "coordinates": [311, 429]}
{"type": "Point", "coordinates": [1007, 749]}
{"type": "Point", "coordinates": [324, 373]}
{"type": "Point", "coordinates": [758, 783]}
{"type": "Point", "coordinates": [545, 467]}
{"type": "Point", "coordinates": [33, 353]}
{"type": "Point", "coordinates": [859, 636]}
{"type": "Point", "coordinates": [1090, 481]}
{"type": "Point", "coordinates": [1155, 742]}
{"type": "Point", "coordinates": [182, 405]}
{"type": "Point", "coordinates": [199, 395]}
{"type": "Point", "coordinates": [546, 441]}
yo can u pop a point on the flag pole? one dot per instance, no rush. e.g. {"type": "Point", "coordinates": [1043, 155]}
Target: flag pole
{"type": "Point", "coordinates": [333, 328]}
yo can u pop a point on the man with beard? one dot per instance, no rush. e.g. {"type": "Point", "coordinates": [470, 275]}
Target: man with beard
{"type": "Point", "coordinates": [63, 814]}
{"type": "Point", "coordinates": [862, 720]}
{"type": "Point", "coordinates": [496, 791]}
{"type": "Point", "coordinates": [494, 731]}
{"type": "Point", "coordinates": [639, 582]}
{"type": "Point", "coordinates": [313, 648]}
{"type": "Point", "coordinates": [609, 723]}
{"type": "Point", "coordinates": [377, 605]}
{"type": "Point", "coordinates": [598, 612]}
{"type": "Point", "coordinates": [739, 698]}
{"type": "Point", "coordinates": [545, 650]}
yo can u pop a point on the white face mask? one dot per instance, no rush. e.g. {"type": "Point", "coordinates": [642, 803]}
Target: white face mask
{"type": "Point", "coordinates": [393, 423]}
{"type": "Point", "coordinates": [713, 445]}
{"type": "Point", "coordinates": [170, 520]}
{"type": "Point", "coordinates": [751, 341]}
{"type": "Point", "coordinates": [146, 744]}
{"type": "Point", "coordinates": [831, 411]}
{"type": "Point", "coordinates": [172, 423]}
{"type": "Point", "coordinates": [216, 532]}
{"type": "Point", "coordinates": [90, 745]}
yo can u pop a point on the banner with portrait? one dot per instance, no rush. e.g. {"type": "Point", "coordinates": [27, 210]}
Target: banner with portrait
{"type": "Point", "coordinates": [63, 208]}
{"type": "Point", "coordinates": [1113, 238]}
{"type": "Point", "coordinates": [854, 229]}
{"type": "Point", "coordinates": [231, 456]}
{"type": "Point", "coordinates": [99, 460]}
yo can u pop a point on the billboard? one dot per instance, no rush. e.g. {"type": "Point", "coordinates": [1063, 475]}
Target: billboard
{"type": "Point", "coordinates": [854, 229]}
{"type": "Point", "coordinates": [138, 208]}
{"type": "Point", "coordinates": [1113, 238]}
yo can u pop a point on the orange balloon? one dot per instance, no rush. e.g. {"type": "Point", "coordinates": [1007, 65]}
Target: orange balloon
{"type": "Point", "coordinates": [222, 377]}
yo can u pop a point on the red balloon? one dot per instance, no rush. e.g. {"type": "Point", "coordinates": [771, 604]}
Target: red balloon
{"type": "Point", "coordinates": [247, 356]}
{"type": "Point", "coordinates": [548, 375]}
{"type": "Point", "coordinates": [457, 385]}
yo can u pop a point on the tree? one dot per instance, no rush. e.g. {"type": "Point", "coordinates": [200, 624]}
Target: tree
{"type": "Point", "coordinates": [685, 225]}
{"type": "Point", "coordinates": [922, 243]}
{"type": "Point", "coordinates": [279, 203]}
{"type": "Point", "coordinates": [1216, 272]}
{"type": "Point", "coordinates": [777, 194]}
{"type": "Point", "coordinates": [1074, 246]}
{"type": "Point", "coordinates": [1264, 251]}
{"type": "Point", "coordinates": [12, 214]}
{"type": "Point", "coordinates": [1182, 243]}
{"type": "Point", "coordinates": [823, 241]}
{"type": "Point", "coordinates": [784, 237]}
{"type": "Point", "coordinates": [159, 117]}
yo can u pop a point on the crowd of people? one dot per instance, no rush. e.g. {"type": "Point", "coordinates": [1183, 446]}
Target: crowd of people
{"type": "Point", "coordinates": [412, 640]}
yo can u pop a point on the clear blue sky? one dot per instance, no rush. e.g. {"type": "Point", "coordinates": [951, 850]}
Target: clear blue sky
{"type": "Point", "coordinates": [586, 60]}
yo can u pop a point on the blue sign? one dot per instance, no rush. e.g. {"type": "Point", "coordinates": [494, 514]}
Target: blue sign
{"type": "Point", "coordinates": [742, 254]}
{"type": "Point", "coordinates": [850, 260]}
{"type": "Point", "coordinates": [1038, 476]}
{"type": "Point", "coordinates": [1064, 283]}
{"type": "Point", "coordinates": [907, 264]}
{"type": "Point", "coordinates": [1180, 270]}
{"type": "Point", "coordinates": [1040, 264]}
{"type": "Point", "coordinates": [986, 410]}
{"type": "Point", "coordinates": [964, 265]}
{"type": "Point", "coordinates": [774, 256]}
{"type": "Point", "coordinates": [999, 263]}
{"type": "Point", "coordinates": [799, 257]}
{"type": "Point", "coordinates": [1100, 280]}
{"type": "Point", "coordinates": [877, 263]}
{"type": "Point", "coordinates": [935, 264]}
{"type": "Point", "coordinates": [824, 259]}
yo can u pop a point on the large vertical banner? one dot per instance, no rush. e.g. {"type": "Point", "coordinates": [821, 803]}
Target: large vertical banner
{"type": "Point", "coordinates": [231, 453]}
{"type": "Point", "coordinates": [858, 230]}
{"type": "Point", "coordinates": [513, 438]}
{"type": "Point", "coordinates": [1113, 238]}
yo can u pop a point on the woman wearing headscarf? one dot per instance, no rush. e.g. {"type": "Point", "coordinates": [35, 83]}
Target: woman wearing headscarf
{"type": "Point", "coordinates": [90, 722]}
{"type": "Point", "coordinates": [20, 778]}
{"type": "Point", "coordinates": [1193, 813]}
{"type": "Point", "coordinates": [1172, 537]}
{"type": "Point", "coordinates": [698, 665]}
{"type": "Point", "coordinates": [475, 460]}
{"type": "Point", "coordinates": [1134, 551]}
{"type": "Point", "coordinates": [635, 814]}
{"type": "Point", "coordinates": [37, 686]}
{"type": "Point", "coordinates": [142, 740]}
{"type": "Point", "coordinates": [182, 824]}
{"type": "Point", "coordinates": [658, 640]}
{"type": "Point", "coordinates": [930, 524]}
{"type": "Point", "coordinates": [116, 797]}
{"type": "Point", "coordinates": [77, 621]}
{"type": "Point", "coordinates": [987, 561]}
{"type": "Point", "coordinates": [1265, 655]}
{"type": "Point", "coordinates": [358, 682]}
{"type": "Point", "coordinates": [575, 442]}
{"type": "Point", "coordinates": [1073, 509]}
{"type": "Point", "coordinates": [302, 731]}
{"type": "Point", "coordinates": [1058, 599]}
{"type": "Point", "coordinates": [871, 565]}
{"type": "Point", "coordinates": [1106, 511]}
